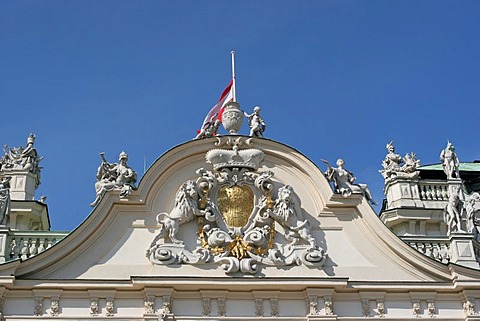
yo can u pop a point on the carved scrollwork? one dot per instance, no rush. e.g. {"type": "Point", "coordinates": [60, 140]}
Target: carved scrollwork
{"type": "Point", "coordinates": [236, 213]}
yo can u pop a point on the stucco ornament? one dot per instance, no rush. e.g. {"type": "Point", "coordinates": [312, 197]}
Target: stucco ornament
{"type": "Point", "coordinates": [431, 308]}
{"type": "Point", "coordinates": [344, 181]}
{"type": "Point", "coordinates": [237, 208]}
{"type": "Point", "coordinates": [469, 306]}
{"type": "Point", "coordinates": [450, 162]}
{"type": "Point", "coordinates": [109, 308]}
{"type": "Point", "coordinates": [114, 176]}
{"type": "Point", "coordinates": [396, 166]}
{"type": "Point", "coordinates": [94, 308]}
{"type": "Point", "coordinates": [22, 158]}
{"type": "Point", "coordinates": [54, 308]}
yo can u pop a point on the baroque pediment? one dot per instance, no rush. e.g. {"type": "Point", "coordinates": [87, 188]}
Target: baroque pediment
{"type": "Point", "coordinates": [246, 218]}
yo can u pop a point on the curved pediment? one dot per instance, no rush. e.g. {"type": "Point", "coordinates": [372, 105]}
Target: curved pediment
{"type": "Point", "coordinates": [232, 206]}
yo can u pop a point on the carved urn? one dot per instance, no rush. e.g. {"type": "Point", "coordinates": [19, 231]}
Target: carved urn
{"type": "Point", "coordinates": [232, 118]}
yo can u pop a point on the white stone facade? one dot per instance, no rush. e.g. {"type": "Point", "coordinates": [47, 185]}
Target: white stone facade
{"type": "Point", "coordinates": [101, 271]}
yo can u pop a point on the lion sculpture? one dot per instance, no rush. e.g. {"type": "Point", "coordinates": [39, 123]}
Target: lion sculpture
{"type": "Point", "coordinates": [287, 215]}
{"type": "Point", "coordinates": [186, 208]}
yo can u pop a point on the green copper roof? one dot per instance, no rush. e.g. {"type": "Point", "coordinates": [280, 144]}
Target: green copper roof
{"type": "Point", "coordinates": [467, 167]}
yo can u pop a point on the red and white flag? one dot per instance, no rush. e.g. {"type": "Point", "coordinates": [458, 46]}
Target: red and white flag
{"type": "Point", "coordinates": [217, 110]}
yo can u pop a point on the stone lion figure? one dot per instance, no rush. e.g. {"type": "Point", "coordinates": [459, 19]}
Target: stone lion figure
{"type": "Point", "coordinates": [186, 208]}
{"type": "Point", "coordinates": [287, 215]}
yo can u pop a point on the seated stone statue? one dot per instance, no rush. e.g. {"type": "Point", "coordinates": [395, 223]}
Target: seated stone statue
{"type": "Point", "coordinates": [344, 181]}
{"type": "Point", "coordinates": [112, 176]}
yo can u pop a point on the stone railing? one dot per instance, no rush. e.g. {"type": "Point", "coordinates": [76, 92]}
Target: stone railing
{"type": "Point", "coordinates": [25, 244]}
{"type": "Point", "coordinates": [415, 193]}
{"type": "Point", "coordinates": [438, 248]}
{"type": "Point", "coordinates": [433, 191]}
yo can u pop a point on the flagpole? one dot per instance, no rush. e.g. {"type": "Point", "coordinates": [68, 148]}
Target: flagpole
{"type": "Point", "coordinates": [233, 77]}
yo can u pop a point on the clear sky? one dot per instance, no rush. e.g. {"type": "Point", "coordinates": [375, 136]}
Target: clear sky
{"type": "Point", "coordinates": [333, 78]}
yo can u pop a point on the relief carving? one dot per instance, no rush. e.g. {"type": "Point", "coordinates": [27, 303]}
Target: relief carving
{"type": "Point", "coordinates": [236, 208]}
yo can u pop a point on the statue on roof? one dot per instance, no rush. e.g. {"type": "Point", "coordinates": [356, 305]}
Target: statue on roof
{"type": "Point", "coordinates": [396, 166]}
{"type": "Point", "coordinates": [4, 200]}
{"type": "Point", "coordinates": [344, 181]}
{"type": "Point", "coordinates": [452, 212]}
{"type": "Point", "coordinates": [255, 122]}
{"type": "Point", "coordinates": [473, 221]}
{"type": "Point", "coordinates": [114, 176]}
{"type": "Point", "coordinates": [450, 162]}
{"type": "Point", "coordinates": [22, 158]}
{"type": "Point", "coordinates": [210, 128]}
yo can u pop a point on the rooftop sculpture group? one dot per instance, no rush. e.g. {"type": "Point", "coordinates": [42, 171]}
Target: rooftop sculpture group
{"type": "Point", "coordinates": [396, 166]}
{"type": "Point", "coordinates": [22, 158]}
{"type": "Point", "coordinates": [231, 119]}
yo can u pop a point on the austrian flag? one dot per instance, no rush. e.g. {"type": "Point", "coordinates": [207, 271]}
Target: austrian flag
{"type": "Point", "coordinates": [217, 110]}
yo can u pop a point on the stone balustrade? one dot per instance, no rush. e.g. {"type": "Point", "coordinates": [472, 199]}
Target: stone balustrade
{"type": "Point", "coordinates": [25, 244]}
{"type": "Point", "coordinates": [433, 191]}
{"type": "Point", "coordinates": [437, 248]}
{"type": "Point", "coordinates": [420, 193]}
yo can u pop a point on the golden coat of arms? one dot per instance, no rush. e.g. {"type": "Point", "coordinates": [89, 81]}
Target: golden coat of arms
{"type": "Point", "coordinates": [235, 203]}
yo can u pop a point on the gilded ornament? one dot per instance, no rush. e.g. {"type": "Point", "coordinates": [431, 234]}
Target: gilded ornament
{"type": "Point", "coordinates": [236, 204]}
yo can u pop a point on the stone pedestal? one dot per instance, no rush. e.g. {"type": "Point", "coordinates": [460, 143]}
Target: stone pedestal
{"type": "Point", "coordinates": [454, 185]}
{"type": "Point", "coordinates": [402, 192]}
{"type": "Point", "coordinates": [462, 250]}
{"type": "Point", "coordinates": [22, 185]}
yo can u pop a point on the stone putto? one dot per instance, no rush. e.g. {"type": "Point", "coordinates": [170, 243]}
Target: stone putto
{"type": "Point", "coordinates": [255, 122]}
{"type": "Point", "coordinates": [114, 176]}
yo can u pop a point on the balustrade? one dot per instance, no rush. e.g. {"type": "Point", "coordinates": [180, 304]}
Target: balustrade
{"type": "Point", "coordinates": [24, 245]}
{"type": "Point", "coordinates": [433, 191]}
{"type": "Point", "coordinates": [437, 249]}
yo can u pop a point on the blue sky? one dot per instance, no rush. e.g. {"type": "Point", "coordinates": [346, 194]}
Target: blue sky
{"type": "Point", "coordinates": [333, 78]}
